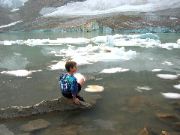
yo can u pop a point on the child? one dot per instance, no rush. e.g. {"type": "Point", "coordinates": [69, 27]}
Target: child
{"type": "Point", "coordinates": [68, 83]}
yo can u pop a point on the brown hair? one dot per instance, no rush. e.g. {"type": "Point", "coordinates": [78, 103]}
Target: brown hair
{"type": "Point", "coordinates": [70, 64]}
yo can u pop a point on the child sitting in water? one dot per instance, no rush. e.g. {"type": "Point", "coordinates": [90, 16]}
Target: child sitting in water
{"type": "Point", "coordinates": [69, 85]}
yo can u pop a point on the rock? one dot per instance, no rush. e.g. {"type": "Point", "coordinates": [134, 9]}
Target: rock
{"type": "Point", "coordinates": [164, 133]}
{"type": "Point", "coordinates": [5, 131]}
{"type": "Point", "coordinates": [166, 116]}
{"type": "Point", "coordinates": [35, 125]}
{"type": "Point", "coordinates": [144, 131]}
{"type": "Point", "coordinates": [60, 104]}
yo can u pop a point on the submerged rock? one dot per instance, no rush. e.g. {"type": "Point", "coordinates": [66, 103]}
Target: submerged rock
{"type": "Point", "coordinates": [167, 116]}
{"type": "Point", "coordinates": [144, 131]}
{"type": "Point", "coordinates": [5, 131]}
{"type": "Point", "coordinates": [164, 133]}
{"type": "Point", "coordinates": [35, 125]}
{"type": "Point", "coordinates": [60, 104]}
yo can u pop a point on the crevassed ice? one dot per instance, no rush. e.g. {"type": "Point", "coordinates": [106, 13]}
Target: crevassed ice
{"type": "Point", "coordinates": [142, 40]}
{"type": "Point", "coordinates": [96, 7]}
{"type": "Point", "coordinates": [114, 70]}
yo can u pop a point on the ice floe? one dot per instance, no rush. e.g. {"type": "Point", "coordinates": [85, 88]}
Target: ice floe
{"type": "Point", "coordinates": [167, 76]}
{"type": "Point", "coordinates": [114, 70]}
{"type": "Point", "coordinates": [20, 73]}
{"type": "Point", "coordinates": [143, 88]}
{"type": "Point", "coordinates": [156, 70]}
{"type": "Point", "coordinates": [167, 63]}
{"type": "Point", "coordinates": [147, 40]}
{"type": "Point", "coordinates": [91, 54]}
{"type": "Point", "coordinates": [171, 95]}
{"type": "Point", "coordinates": [177, 86]}
{"type": "Point", "coordinates": [94, 88]}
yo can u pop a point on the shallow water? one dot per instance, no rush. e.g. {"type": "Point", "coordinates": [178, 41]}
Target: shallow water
{"type": "Point", "coordinates": [123, 109]}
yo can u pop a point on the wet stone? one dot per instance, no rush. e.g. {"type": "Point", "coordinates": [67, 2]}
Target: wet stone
{"type": "Point", "coordinates": [5, 131]}
{"type": "Point", "coordinates": [167, 116]}
{"type": "Point", "coordinates": [35, 125]}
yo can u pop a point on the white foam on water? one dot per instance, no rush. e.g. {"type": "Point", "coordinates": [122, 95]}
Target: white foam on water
{"type": "Point", "coordinates": [143, 88]}
{"type": "Point", "coordinates": [19, 73]}
{"type": "Point", "coordinates": [114, 70]}
{"type": "Point", "coordinates": [167, 63]}
{"type": "Point", "coordinates": [94, 88]}
{"type": "Point", "coordinates": [96, 7]}
{"type": "Point", "coordinates": [178, 41]}
{"type": "Point", "coordinates": [167, 76]}
{"type": "Point", "coordinates": [171, 95]}
{"type": "Point", "coordinates": [177, 86]}
{"type": "Point", "coordinates": [156, 70]}
{"type": "Point", "coordinates": [10, 24]}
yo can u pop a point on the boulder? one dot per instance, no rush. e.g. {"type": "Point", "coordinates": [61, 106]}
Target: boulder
{"type": "Point", "coordinates": [144, 131]}
{"type": "Point", "coordinates": [60, 104]}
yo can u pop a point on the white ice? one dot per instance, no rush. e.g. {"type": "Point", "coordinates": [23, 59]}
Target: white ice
{"type": "Point", "coordinates": [167, 76]}
{"type": "Point", "coordinates": [171, 95]}
{"type": "Point", "coordinates": [114, 70]}
{"type": "Point", "coordinates": [11, 24]}
{"type": "Point", "coordinates": [20, 73]}
{"type": "Point", "coordinates": [177, 86]}
{"type": "Point", "coordinates": [156, 70]}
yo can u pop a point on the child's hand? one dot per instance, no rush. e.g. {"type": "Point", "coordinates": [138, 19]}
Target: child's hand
{"type": "Point", "coordinates": [76, 101]}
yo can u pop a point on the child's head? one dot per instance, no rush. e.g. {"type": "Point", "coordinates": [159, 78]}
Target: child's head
{"type": "Point", "coordinates": [71, 66]}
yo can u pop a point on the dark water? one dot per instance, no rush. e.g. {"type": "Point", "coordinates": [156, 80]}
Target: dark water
{"type": "Point", "coordinates": [122, 110]}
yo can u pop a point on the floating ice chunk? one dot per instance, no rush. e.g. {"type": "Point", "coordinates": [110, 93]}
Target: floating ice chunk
{"type": "Point", "coordinates": [177, 86]}
{"type": "Point", "coordinates": [167, 76]}
{"type": "Point", "coordinates": [59, 65]}
{"type": "Point", "coordinates": [178, 41]}
{"type": "Point", "coordinates": [15, 9]}
{"type": "Point", "coordinates": [114, 70]}
{"type": "Point", "coordinates": [19, 73]}
{"type": "Point", "coordinates": [79, 76]}
{"type": "Point", "coordinates": [156, 70]}
{"type": "Point", "coordinates": [171, 95]}
{"type": "Point", "coordinates": [11, 24]}
{"type": "Point", "coordinates": [141, 88]}
{"type": "Point", "coordinates": [94, 88]}
{"type": "Point", "coordinates": [167, 63]}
